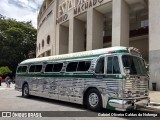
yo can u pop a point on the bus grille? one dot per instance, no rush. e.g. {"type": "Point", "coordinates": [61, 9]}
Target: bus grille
{"type": "Point", "coordinates": [136, 88]}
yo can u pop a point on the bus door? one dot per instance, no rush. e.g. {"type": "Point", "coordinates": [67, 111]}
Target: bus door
{"type": "Point", "coordinates": [66, 91]}
{"type": "Point", "coordinates": [64, 83]}
{"type": "Point", "coordinates": [78, 87]}
{"type": "Point", "coordinates": [112, 74]}
{"type": "Point", "coordinates": [53, 80]}
{"type": "Point", "coordinates": [36, 78]}
{"type": "Point", "coordinates": [80, 76]}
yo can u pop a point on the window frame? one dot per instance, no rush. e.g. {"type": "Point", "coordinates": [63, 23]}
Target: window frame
{"type": "Point", "coordinates": [34, 69]}
{"type": "Point", "coordinates": [119, 63]}
{"type": "Point", "coordinates": [68, 64]}
{"type": "Point", "coordinates": [22, 66]}
{"type": "Point", "coordinates": [53, 67]}
{"type": "Point", "coordinates": [88, 68]}
{"type": "Point", "coordinates": [97, 63]}
{"type": "Point", "coordinates": [129, 55]}
{"type": "Point", "coordinates": [107, 65]}
{"type": "Point", "coordinates": [82, 60]}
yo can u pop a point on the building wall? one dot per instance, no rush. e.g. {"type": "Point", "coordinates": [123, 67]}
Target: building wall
{"type": "Point", "coordinates": [154, 43]}
{"type": "Point", "coordinates": [66, 27]}
{"type": "Point", "coordinates": [46, 27]}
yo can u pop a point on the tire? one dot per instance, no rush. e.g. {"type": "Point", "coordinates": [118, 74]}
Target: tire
{"type": "Point", "coordinates": [25, 91]}
{"type": "Point", "coordinates": [94, 100]}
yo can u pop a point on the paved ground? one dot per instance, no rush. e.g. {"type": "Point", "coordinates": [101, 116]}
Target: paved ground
{"type": "Point", "coordinates": [11, 100]}
{"type": "Point", "coordinates": [155, 96]}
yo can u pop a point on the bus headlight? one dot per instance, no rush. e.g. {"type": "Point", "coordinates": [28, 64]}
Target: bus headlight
{"type": "Point", "coordinates": [129, 94]}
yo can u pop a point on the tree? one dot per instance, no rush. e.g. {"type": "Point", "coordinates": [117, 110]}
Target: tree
{"type": "Point", "coordinates": [17, 41]}
{"type": "Point", "coordinates": [5, 71]}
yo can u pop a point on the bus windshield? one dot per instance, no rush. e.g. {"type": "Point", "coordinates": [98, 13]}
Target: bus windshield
{"type": "Point", "coordinates": [134, 64]}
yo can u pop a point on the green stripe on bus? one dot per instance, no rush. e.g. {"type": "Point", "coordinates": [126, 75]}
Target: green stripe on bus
{"type": "Point", "coordinates": [80, 57]}
{"type": "Point", "coordinates": [70, 76]}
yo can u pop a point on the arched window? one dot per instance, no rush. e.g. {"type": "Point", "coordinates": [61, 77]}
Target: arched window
{"type": "Point", "coordinates": [39, 46]}
{"type": "Point", "coordinates": [48, 39]}
{"type": "Point", "coordinates": [42, 43]}
{"type": "Point", "coordinates": [37, 49]}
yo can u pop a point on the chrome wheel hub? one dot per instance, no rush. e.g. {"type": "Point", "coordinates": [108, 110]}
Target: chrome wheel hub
{"type": "Point", "coordinates": [93, 99]}
{"type": "Point", "coordinates": [25, 91]}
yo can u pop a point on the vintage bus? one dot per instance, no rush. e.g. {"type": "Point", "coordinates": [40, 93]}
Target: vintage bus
{"type": "Point", "coordinates": [113, 78]}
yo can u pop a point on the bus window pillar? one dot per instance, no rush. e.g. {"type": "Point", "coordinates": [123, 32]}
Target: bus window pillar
{"type": "Point", "coordinates": [120, 23]}
{"type": "Point", "coordinates": [154, 43]}
{"type": "Point", "coordinates": [94, 29]}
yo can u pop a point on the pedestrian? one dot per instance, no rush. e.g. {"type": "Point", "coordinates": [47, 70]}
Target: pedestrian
{"type": "Point", "coordinates": [0, 80]}
{"type": "Point", "coordinates": [7, 80]}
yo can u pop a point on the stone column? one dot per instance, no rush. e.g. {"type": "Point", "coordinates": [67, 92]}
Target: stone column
{"type": "Point", "coordinates": [120, 23]}
{"type": "Point", "coordinates": [95, 22]}
{"type": "Point", "coordinates": [62, 40]}
{"type": "Point", "coordinates": [46, 4]}
{"type": "Point", "coordinates": [76, 35]}
{"type": "Point", "coordinates": [57, 39]}
{"type": "Point", "coordinates": [154, 43]}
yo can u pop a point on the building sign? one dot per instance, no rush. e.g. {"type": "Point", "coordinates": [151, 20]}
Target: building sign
{"type": "Point", "coordinates": [65, 6]}
{"type": "Point", "coordinates": [83, 5]}
{"type": "Point", "coordinates": [79, 7]}
{"type": "Point", "coordinates": [62, 18]}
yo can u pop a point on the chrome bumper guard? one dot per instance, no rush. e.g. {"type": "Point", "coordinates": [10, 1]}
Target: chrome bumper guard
{"type": "Point", "coordinates": [127, 104]}
{"type": "Point", "coordinates": [18, 89]}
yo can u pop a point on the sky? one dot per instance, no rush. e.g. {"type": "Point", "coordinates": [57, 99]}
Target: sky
{"type": "Point", "coordinates": [21, 10]}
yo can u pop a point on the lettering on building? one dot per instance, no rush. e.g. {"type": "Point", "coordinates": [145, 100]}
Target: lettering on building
{"type": "Point", "coordinates": [65, 6]}
{"type": "Point", "coordinates": [79, 7]}
{"type": "Point", "coordinates": [83, 5]}
{"type": "Point", "coordinates": [62, 18]}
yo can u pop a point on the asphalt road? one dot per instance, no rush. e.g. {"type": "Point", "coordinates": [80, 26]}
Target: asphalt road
{"type": "Point", "coordinates": [11, 100]}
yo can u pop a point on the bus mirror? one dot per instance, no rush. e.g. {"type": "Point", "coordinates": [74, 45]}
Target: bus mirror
{"type": "Point", "coordinates": [127, 70]}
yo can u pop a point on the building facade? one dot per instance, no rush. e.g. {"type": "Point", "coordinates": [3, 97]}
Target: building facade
{"type": "Point", "coordinates": [66, 26]}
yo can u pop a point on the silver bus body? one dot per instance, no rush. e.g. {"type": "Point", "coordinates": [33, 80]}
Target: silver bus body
{"type": "Point", "coordinates": [119, 91]}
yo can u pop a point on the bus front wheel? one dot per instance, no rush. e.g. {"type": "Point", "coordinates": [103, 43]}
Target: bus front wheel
{"type": "Point", "coordinates": [94, 100]}
{"type": "Point", "coordinates": [25, 91]}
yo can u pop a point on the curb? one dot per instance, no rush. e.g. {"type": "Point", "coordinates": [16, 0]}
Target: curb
{"type": "Point", "coordinates": [6, 88]}
{"type": "Point", "coordinates": [154, 106]}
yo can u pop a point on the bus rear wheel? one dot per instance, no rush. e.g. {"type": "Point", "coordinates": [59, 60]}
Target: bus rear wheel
{"type": "Point", "coordinates": [25, 91]}
{"type": "Point", "coordinates": [94, 100]}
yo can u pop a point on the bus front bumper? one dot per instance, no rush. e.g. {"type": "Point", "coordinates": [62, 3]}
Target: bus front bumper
{"type": "Point", "coordinates": [127, 104]}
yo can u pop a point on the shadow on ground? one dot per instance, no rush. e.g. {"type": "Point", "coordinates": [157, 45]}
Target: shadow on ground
{"type": "Point", "coordinates": [84, 112]}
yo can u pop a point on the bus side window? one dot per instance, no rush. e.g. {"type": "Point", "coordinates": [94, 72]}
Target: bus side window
{"type": "Point", "coordinates": [84, 66]}
{"type": "Point", "coordinates": [32, 68]}
{"type": "Point", "coordinates": [24, 69]}
{"type": "Point", "coordinates": [49, 68]}
{"type": "Point", "coordinates": [38, 68]}
{"type": "Point", "coordinates": [113, 65]}
{"type": "Point", "coordinates": [19, 69]}
{"type": "Point", "coordinates": [71, 67]}
{"type": "Point", "coordinates": [100, 66]}
{"type": "Point", "coordinates": [57, 67]}
{"type": "Point", "coordinates": [116, 69]}
{"type": "Point", "coordinates": [109, 65]}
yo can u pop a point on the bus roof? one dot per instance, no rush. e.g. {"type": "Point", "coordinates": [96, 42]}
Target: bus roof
{"type": "Point", "coordinates": [84, 54]}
